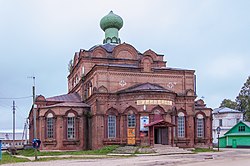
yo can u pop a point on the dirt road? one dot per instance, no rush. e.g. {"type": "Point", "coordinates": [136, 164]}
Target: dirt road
{"type": "Point", "coordinates": [229, 157]}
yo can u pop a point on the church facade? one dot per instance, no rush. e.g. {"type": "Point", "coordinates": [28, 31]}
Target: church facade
{"type": "Point", "coordinates": [118, 95]}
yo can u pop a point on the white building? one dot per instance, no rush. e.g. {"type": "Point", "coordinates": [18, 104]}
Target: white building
{"type": "Point", "coordinates": [226, 118]}
{"type": "Point", "coordinates": [21, 138]}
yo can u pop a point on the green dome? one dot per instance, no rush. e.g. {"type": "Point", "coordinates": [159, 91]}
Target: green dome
{"type": "Point", "coordinates": [111, 21]}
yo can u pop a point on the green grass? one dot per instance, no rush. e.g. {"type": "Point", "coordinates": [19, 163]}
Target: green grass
{"type": "Point", "coordinates": [199, 150]}
{"type": "Point", "coordinates": [6, 158]}
{"type": "Point", "coordinates": [105, 150]}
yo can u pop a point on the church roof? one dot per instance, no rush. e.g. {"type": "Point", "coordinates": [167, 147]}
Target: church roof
{"type": "Point", "coordinates": [225, 110]}
{"type": "Point", "coordinates": [71, 97]}
{"type": "Point", "coordinates": [108, 47]}
{"type": "Point", "coordinates": [68, 104]}
{"type": "Point", "coordinates": [145, 87]}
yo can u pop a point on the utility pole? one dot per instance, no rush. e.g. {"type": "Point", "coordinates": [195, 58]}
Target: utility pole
{"type": "Point", "coordinates": [34, 112]}
{"type": "Point", "coordinates": [14, 125]}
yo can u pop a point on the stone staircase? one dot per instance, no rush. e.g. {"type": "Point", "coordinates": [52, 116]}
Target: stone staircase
{"type": "Point", "coordinates": [169, 150]}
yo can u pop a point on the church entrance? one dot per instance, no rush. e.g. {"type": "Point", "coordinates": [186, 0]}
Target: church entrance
{"type": "Point", "coordinates": [161, 135]}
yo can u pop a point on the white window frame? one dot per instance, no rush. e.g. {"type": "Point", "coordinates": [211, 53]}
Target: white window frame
{"type": "Point", "coordinates": [50, 127]}
{"type": "Point", "coordinates": [111, 126]}
{"type": "Point", "coordinates": [71, 126]}
{"type": "Point", "coordinates": [200, 126]}
{"type": "Point", "coordinates": [181, 125]}
{"type": "Point", "coordinates": [131, 120]}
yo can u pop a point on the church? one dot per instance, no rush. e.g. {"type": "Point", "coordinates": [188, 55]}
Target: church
{"type": "Point", "coordinates": [118, 95]}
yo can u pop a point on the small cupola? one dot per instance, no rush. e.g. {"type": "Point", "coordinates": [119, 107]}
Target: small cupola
{"type": "Point", "coordinates": [111, 24]}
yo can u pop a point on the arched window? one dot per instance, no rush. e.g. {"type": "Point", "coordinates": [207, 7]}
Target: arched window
{"type": "Point", "coordinates": [131, 119]}
{"type": "Point", "coordinates": [111, 126]}
{"type": "Point", "coordinates": [83, 70]}
{"type": "Point", "coordinates": [50, 125]}
{"type": "Point", "coordinates": [181, 125]}
{"type": "Point", "coordinates": [71, 126]}
{"type": "Point", "coordinates": [200, 126]}
{"type": "Point", "coordinates": [147, 65]}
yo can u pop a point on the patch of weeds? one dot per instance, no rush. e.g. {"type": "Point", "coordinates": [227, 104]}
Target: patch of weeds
{"type": "Point", "coordinates": [7, 158]}
{"type": "Point", "coordinates": [103, 151]}
{"type": "Point", "coordinates": [200, 150]}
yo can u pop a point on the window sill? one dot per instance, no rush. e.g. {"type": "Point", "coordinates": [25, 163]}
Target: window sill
{"type": "Point", "coordinates": [71, 142]}
{"type": "Point", "coordinates": [50, 142]}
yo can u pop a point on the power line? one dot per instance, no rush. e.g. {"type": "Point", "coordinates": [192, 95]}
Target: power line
{"type": "Point", "coordinates": [15, 98]}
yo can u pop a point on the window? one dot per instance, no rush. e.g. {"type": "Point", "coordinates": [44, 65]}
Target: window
{"type": "Point", "coordinates": [220, 122]}
{"type": "Point", "coordinates": [50, 127]}
{"type": "Point", "coordinates": [237, 120]}
{"type": "Point", "coordinates": [131, 120]}
{"type": "Point", "coordinates": [241, 128]}
{"type": "Point", "coordinates": [71, 126]}
{"type": "Point", "coordinates": [181, 125]}
{"type": "Point", "coordinates": [200, 126]}
{"type": "Point", "coordinates": [111, 126]}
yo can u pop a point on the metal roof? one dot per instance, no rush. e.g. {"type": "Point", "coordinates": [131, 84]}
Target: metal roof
{"type": "Point", "coordinates": [225, 110]}
{"type": "Point", "coordinates": [71, 97]}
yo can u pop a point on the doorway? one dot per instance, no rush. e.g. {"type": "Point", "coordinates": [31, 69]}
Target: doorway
{"type": "Point", "coordinates": [161, 136]}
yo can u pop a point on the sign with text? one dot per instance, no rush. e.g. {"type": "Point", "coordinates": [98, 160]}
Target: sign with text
{"type": "Point", "coordinates": [154, 102]}
{"type": "Point", "coordinates": [143, 121]}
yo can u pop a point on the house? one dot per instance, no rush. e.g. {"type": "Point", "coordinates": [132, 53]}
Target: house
{"type": "Point", "coordinates": [21, 138]}
{"type": "Point", "coordinates": [225, 118]}
{"type": "Point", "coordinates": [237, 137]}
{"type": "Point", "coordinates": [119, 95]}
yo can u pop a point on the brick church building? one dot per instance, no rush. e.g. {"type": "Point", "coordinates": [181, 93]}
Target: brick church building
{"type": "Point", "coordinates": [118, 95]}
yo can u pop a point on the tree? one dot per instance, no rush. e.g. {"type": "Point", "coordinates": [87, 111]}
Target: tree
{"type": "Point", "coordinates": [229, 103]}
{"type": "Point", "coordinates": [243, 99]}
{"type": "Point", "coordinates": [70, 66]}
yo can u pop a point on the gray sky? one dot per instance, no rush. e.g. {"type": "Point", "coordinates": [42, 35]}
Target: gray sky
{"type": "Point", "coordinates": [40, 37]}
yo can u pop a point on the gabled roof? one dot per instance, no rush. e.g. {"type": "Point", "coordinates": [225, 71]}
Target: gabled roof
{"type": "Point", "coordinates": [225, 110]}
{"type": "Point", "coordinates": [160, 122]}
{"type": "Point", "coordinates": [145, 87]}
{"type": "Point", "coordinates": [71, 97]}
{"type": "Point", "coordinates": [247, 124]}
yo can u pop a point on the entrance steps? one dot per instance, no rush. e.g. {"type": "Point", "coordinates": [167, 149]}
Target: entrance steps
{"type": "Point", "coordinates": [169, 150]}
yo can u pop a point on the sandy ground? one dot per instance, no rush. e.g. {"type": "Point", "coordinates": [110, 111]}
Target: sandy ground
{"type": "Point", "coordinates": [229, 157]}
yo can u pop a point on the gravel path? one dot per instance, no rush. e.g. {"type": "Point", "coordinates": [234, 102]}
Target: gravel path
{"type": "Point", "coordinates": [229, 157]}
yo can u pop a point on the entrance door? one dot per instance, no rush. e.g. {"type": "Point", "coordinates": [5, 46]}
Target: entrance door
{"type": "Point", "coordinates": [234, 144]}
{"type": "Point", "coordinates": [164, 136]}
{"type": "Point", "coordinates": [131, 136]}
{"type": "Point", "coordinates": [161, 136]}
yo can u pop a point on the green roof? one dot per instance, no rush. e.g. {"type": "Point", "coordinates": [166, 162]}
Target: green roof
{"type": "Point", "coordinates": [234, 130]}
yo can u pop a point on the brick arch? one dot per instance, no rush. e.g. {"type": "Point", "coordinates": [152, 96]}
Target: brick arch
{"type": "Point", "coordinates": [102, 89]}
{"type": "Point", "coordinates": [130, 108]}
{"type": "Point", "coordinates": [125, 51]}
{"type": "Point", "coordinates": [158, 107]}
{"type": "Point", "coordinates": [157, 112]}
{"type": "Point", "coordinates": [150, 53]}
{"type": "Point", "coordinates": [49, 111]}
{"type": "Point", "coordinates": [181, 110]}
{"type": "Point", "coordinates": [112, 111]}
{"type": "Point", "coordinates": [99, 52]}
{"type": "Point", "coordinates": [200, 112]}
{"type": "Point", "coordinates": [147, 63]}
{"type": "Point", "coordinates": [71, 111]}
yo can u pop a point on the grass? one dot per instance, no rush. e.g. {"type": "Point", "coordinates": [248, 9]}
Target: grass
{"type": "Point", "coordinates": [105, 150]}
{"type": "Point", "coordinates": [6, 158]}
{"type": "Point", "coordinates": [199, 150]}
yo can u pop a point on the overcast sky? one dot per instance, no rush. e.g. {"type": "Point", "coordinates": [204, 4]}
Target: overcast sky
{"type": "Point", "coordinates": [40, 37]}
